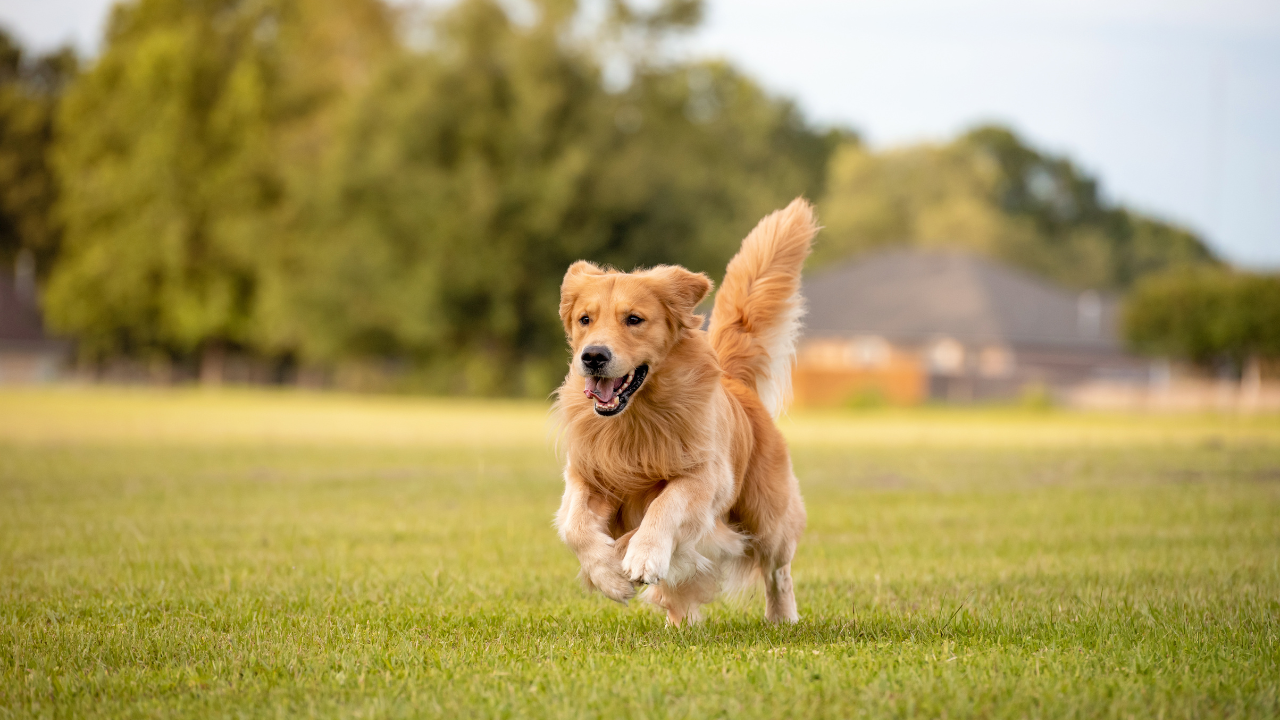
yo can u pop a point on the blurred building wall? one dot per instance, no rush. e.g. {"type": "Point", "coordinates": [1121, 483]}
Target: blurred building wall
{"type": "Point", "coordinates": [907, 327]}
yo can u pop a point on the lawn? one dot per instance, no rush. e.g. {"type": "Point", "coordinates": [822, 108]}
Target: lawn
{"type": "Point", "coordinates": [264, 554]}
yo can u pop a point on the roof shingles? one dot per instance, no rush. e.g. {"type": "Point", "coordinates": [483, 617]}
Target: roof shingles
{"type": "Point", "coordinates": [912, 297]}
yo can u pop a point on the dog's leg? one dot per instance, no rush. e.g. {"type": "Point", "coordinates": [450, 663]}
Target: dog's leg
{"type": "Point", "coordinates": [775, 534]}
{"type": "Point", "coordinates": [685, 511]}
{"type": "Point", "coordinates": [780, 596]}
{"type": "Point", "coordinates": [779, 592]}
{"type": "Point", "coordinates": [681, 602]}
{"type": "Point", "coordinates": [582, 520]}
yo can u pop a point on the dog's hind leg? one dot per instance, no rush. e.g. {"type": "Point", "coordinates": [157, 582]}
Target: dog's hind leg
{"type": "Point", "coordinates": [773, 548]}
{"type": "Point", "coordinates": [779, 534]}
{"type": "Point", "coordinates": [780, 596]}
{"type": "Point", "coordinates": [779, 592]}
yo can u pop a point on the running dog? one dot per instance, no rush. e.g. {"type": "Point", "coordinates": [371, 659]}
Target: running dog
{"type": "Point", "coordinates": [676, 476]}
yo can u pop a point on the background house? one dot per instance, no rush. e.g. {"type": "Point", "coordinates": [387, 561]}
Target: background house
{"type": "Point", "coordinates": [912, 326]}
{"type": "Point", "coordinates": [27, 354]}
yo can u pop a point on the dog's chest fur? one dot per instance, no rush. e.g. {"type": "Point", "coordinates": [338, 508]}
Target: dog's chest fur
{"type": "Point", "coordinates": [629, 455]}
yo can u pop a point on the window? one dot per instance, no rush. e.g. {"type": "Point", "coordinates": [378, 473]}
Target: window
{"type": "Point", "coordinates": [1089, 314]}
{"type": "Point", "coordinates": [946, 356]}
{"type": "Point", "coordinates": [995, 361]}
{"type": "Point", "coordinates": [867, 352]}
{"type": "Point", "coordinates": [822, 353]}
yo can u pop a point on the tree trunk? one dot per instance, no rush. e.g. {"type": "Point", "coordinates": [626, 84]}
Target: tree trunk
{"type": "Point", "coordinates": [212, 362]}
{"type": "Point", "coordinates": [1251, 384]}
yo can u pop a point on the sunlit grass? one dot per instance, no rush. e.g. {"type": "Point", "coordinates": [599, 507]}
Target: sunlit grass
{"type": "Point", "coordinates": [251, 553]}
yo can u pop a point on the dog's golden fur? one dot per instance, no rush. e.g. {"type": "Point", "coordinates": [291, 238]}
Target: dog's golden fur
{"type": "Point", "coordinates": [688, 487]}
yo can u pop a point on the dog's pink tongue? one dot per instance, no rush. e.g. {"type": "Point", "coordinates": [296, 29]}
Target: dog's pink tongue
{"type": "Point", "coordinates": [601, 388]}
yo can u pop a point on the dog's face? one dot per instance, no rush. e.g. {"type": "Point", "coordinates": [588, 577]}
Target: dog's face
{"type": "Point", "coordinates": [621, 326]}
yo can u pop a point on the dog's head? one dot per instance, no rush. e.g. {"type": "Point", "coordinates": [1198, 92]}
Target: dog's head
{"type": "Point", "coordinates": [621, 326]}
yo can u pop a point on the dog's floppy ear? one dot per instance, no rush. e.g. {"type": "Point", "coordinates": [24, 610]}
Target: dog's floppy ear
{"type": "Point", "coordinates": [681, 291]}
{"type": "Point", "coordinates": [572, 285]}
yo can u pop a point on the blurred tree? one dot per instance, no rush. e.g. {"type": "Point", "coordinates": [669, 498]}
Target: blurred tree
{"type": "Point", "coordinates": [1215, 318]}
{"type": "Point", "coordinates": [989, 192]}
{"type": "Point", "coordinates": [29, 92]}
{"type": "Point", "coordinates": [472, 173]}
{"type": "Point", "coordinates": [290, 178]}
{"type": "Point", "coordinates": [180, 151]}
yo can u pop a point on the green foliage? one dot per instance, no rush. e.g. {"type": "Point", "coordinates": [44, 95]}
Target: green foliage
{"type": "Point", "coordinates": [1036, 396]}
{"type": "Point", "coordinates": [988, 192]}
{"type": "Point", "coordinates": [291, 179]}
{"type": "Point", "coordinates": [29, 90]}
{"type": "Point", "coordinates": [442, 226]}
{"type": "Point", "coordinates": [1210, 317]}
{"type": "Point", "coordinates": [869, 398]}
{"type": "Point", "coordinates": [178, 150]}
{"type": "Point", "coordinates": [470, 175]}
{"type": "Point", "coordinates": [326, 184]}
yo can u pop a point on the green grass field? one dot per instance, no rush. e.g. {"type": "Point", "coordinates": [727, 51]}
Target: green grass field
{"type": "Point", "coordinates": [263, 554]}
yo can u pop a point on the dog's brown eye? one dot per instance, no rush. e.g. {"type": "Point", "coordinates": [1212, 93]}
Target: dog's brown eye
{"type": "Point", "coordinates": [634, 320]}
{"type": "Point", "coordinates": [585, 320]}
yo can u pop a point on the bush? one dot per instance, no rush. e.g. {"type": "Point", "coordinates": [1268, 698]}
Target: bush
{"type": "Point", "coordinates": [1213, 318]}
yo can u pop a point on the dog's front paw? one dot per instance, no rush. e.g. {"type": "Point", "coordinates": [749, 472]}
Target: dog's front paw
{"type": "Point", "coordinates": [647, 560]}
{"type": "Point", "coordinates": [610, 580]}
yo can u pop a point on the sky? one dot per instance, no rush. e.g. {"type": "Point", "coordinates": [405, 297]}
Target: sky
{"type": "Point", "coordinates": [1173, 104]}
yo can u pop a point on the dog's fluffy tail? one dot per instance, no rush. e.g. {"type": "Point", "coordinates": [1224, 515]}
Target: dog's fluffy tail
{"type": "Point", "coordinates": [757, 313]}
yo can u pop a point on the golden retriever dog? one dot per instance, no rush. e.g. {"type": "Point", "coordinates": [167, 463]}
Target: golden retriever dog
{"type": "Point", "coordinates": [675, 475]}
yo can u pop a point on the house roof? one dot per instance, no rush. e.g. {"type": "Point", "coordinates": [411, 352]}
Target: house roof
{"type": "Point", "coordinates": [913, 296]}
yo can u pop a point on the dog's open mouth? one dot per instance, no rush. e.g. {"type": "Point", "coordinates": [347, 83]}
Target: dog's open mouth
{"type": "Point", "coordinates": [612, 394]}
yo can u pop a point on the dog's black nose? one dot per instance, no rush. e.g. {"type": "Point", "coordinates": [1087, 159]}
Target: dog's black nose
{"type": "Point", "coordinates": [595, 357]}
